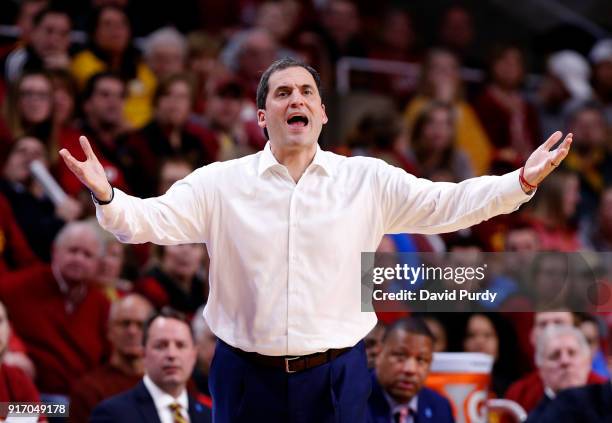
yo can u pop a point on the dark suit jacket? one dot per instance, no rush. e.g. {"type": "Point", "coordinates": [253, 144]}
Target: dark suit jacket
{"type": "Point", "coordinates": [588, 404]}
{"type": "Point", "coordinates": [136, 405]}
{"type": "Point", "coordinates": [431, 408]}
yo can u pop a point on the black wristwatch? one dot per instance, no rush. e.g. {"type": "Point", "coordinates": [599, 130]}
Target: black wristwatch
{"type": "Point", "coordinates": [100, 202]}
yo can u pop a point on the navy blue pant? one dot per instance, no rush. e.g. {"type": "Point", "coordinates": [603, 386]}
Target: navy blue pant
{"type": "Point", "coordinates": [242, 391]}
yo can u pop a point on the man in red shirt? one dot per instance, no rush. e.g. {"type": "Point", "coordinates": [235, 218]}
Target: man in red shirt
{"type": "Point", "coordinates": [56, 310]}
{"type": "Point", "coordinates": [124, 368]}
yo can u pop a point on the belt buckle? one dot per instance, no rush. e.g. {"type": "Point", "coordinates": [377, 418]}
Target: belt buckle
{"type": "Point", "coordinates": [287, 360]}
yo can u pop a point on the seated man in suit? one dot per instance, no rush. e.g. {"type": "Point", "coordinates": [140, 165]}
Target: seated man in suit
{"type": "Point", "coordinates": [169, 357]}
{"type": "Point", "coordinates": [398, 395]}
{"type": "Point", "coordinates": [563, 358]}
{"type": "Point", "coordinates": [587, 404]}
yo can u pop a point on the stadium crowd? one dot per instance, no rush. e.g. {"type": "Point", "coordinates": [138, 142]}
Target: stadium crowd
{"type": "Point", "coordinates": [159, 95]}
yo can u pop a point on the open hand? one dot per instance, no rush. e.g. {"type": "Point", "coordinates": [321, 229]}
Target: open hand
{"type": "Point", "coordinates": [90, 172]}
{"type": "Point", "coordinates": [543, 161]}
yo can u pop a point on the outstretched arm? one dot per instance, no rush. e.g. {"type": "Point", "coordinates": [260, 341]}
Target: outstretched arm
{"type": "Point", "coordinates": [417, 205]}
{"type": "Point", "coordinates": [176, 217]}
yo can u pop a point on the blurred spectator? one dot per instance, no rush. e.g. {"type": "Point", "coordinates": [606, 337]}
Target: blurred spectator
{"type": "Point", "coordinates": [66, 335]}
{"type": "Point", "coordinates": [398, 391]}
{"type": "Point", "coordinates": [65, 108]}
{"type": "Point", "coordinates": [203, 65]}
{"type": "Point", "coordinates": [38, 217]}
{"type": "Point", "coordinates": [169, 358]}
{"type": "Point", "coordinates": [341, 30]}
{"type": "Point", "coordinates": [175, 281]}
{"type": "Point", "coordinates": [111, 267]}
{"type": "Point", "coordinates": [601, 58]}
{"type": "Point", "coordinates": [29, 107]}
{"type": "Point", "coordinates": [279, 19]}
{"type": "Point", "coordinates": [563, 87]}
{"type": "Point", "coordinates": [373, 343]}
{"type": "Point", "coordinates": [439, 332]}
{"type": "Point", "coordinates": [441, 81]}
{"type": "Point", "coordinates": [24, 21]}
{"type": "Point", "coordinates": [510, 120]}
{"type": "Point", "coordinates": [110, 49]}
{"type": "Point", "coordinates": [248, 54]}
{"type": "Point", "coordinates": [46, 48]}
{"type": "Point", "coordinates": [125, 366]}
{"type": "Point", "coordinates": [15, 385]}
{"type": "Point", "coordinates": [529, 390]}
{"type": "Point", "coordinates": [589, 157]}
{"type": "Point", "coordinates": [397, 38]}
{"type": "Point", "coordinates": [379, 135]}
{"type": "Point", "coordinates": [171, 171]}
{"type": "Point", "coordinates": [601, 233]}
{"type": "Point", "coordinates": [166, 52]}
{"type": "Point", "coordinates": [433, 146]}
{"type": "Point", "coordinates": [206, 342]}
{"type": "Point", "coordinates": [236, 136]}
{"type": "Point", "coordinates": [168, 135]}
{"type": "Point", "coordinates": [15, 252]}
{"type": "Point", "coordinates": [488, 334]}
{"type": "Point", "coordinates": [594, 332]}
{"type": "Point", "coordinates": [395, 41]}
{"type": "Point", "coordinates": [103, 124]}
{"type": "Point", "coordinates": [457, 33]}
{"type": "Point", "coordinates": [554, 211]}
{"type": "Point", "coordinates": [563, 360]}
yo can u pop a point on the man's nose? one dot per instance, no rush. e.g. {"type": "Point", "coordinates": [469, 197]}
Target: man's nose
{"type": "Point", "coordinates": [409, 365]}
{"type": "Point", "coordinates": [297, 98]}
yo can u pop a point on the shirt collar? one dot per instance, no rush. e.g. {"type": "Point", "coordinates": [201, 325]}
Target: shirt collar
{"type": "Point", "coordinates": [320, 160]}
{"type": "Point", "coordinates": [395, 406]}
{"type": "Point", "coordinates": [162, 399]}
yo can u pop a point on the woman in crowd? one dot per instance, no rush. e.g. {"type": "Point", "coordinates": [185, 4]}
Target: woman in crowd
{"type": "Point", "coordinates": [510, 121]}
{"type": "Point", "coordinates": [110, 49]}
{"type": "Point", "coordinates": [441, 81]}
{"type": "Point", "coordinates": [432, 145]}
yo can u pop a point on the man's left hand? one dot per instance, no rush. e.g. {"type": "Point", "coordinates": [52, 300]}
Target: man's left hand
{"type": "Point", "coordinates": [543, 161]}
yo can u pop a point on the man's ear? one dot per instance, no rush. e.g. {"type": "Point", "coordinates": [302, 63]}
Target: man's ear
{"type": "Point", "coordinates": [261, 118]}
{"type": "Point", "coordinates": [324, 114]}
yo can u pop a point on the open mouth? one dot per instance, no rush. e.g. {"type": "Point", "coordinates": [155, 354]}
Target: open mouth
{"type": "Point", "coordinates": [297, 121]}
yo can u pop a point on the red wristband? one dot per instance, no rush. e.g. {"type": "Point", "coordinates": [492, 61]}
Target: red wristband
{"type": "Point", "coordinates": [524, 181]}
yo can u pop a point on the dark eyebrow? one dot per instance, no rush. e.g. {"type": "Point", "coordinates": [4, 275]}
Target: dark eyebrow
{"type": "Point", "coordinates": [288, 87]}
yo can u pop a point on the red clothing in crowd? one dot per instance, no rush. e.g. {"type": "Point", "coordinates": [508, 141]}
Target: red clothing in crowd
{"type": "Point", "coordinates": [16, 386]}
{"type": "Point", "coordinates": [69, 139]}
{"type": "Point", "coordinates": [528, 391]}
{"type": "Point", "coordinates": [97, 385]}
{"type": "Point", "coordinates": [63, 345]}
{"type": "Point", "coordinates": [15, 253]}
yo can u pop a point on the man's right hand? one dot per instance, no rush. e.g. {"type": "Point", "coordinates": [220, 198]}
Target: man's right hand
{"type": "Point", "coordinates": [90, 172]}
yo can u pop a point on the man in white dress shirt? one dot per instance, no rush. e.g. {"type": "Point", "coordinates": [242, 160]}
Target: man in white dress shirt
{"type": "Point", "coordinates": [285, 228]}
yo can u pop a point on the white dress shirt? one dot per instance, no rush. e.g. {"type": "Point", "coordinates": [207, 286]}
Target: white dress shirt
{"type": "Point", "coordinates": [163, 400]}
{"type": "Point", "coordinates": [285, 257]}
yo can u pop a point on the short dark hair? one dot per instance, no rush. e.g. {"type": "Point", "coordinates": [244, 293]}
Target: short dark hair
{"type": "Point", "coordinates": [52, 8]}
{"type": "Point", "coordinates": [413, 325]}
{"type": "Point", "coordinates": [279, 65]}
{"type": "Point", "coordinates": [90, 86]}
{"type": "Point", "coordinates": [168, 313]}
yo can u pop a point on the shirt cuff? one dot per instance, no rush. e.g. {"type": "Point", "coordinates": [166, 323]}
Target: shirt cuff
{"type": "Point", "coordinates": [511, 188]}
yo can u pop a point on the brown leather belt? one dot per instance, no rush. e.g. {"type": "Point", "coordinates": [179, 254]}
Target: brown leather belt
{"type": "Point", "coordinates": [292, 364]}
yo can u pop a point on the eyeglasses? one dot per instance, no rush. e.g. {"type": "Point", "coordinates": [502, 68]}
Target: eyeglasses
{"type": "Point", "coordinates": [35, 95]}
